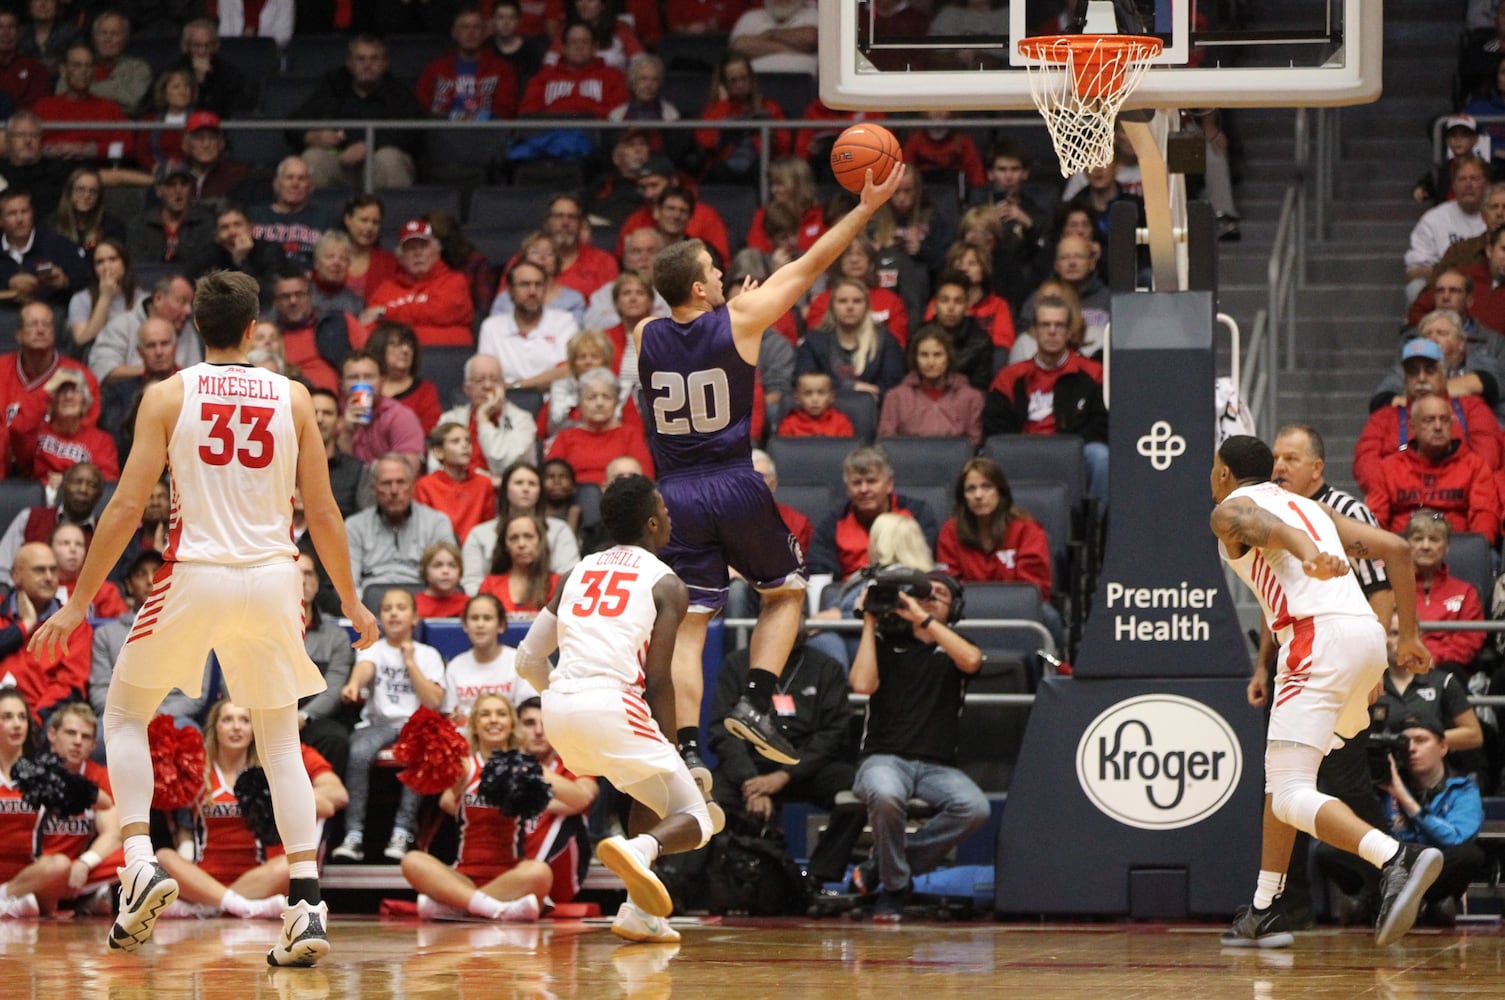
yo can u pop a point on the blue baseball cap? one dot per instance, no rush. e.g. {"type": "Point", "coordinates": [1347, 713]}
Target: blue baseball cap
{"type": "Point", "coordinates": [1421, 347]}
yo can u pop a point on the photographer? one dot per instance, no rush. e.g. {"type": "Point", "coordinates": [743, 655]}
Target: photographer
{"type": "Point", "coordinates": [1424, 804]}
{"type": "Point", "coordinates": [914, 668]}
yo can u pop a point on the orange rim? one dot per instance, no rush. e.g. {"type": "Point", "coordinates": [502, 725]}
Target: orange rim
{"type": "Point", "coordinates": [1098, 63]}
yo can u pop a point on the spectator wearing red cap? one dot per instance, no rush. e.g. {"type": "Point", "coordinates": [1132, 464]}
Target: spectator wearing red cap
{"type": "Point", "coordinates": [424, 293]}
{"type": "Point", "coordinates": [470, 82]}
{"type": "Point", "coordinates": [215, 178]}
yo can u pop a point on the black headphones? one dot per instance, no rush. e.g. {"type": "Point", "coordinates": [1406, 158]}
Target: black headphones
{"type": "Point", "coordinates": [958, 596]}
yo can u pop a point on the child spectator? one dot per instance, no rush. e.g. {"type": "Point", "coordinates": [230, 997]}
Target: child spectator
{"type": "Point", "coordinates": [559, 493]}
{"type": "Point", "coordinates": [401, 675]}
{"type": "Point", "coordinates": [520, 576]}
{"type": "Point", "coordinates": [441, 596]}
{"type": "Point", "coordinates": [487, 667]}
{"type": "Point", "coordinates": [236, 874]}
{"type": "Point", "coordinates": [1460, 138]}
{"type": "Point", "coordinates": [934, 400]}
{"type": "Point", "coordinates": [489, 879]}
{"type": "Point", "coordinates": [462, 494]}
{"type": "Point", "coordinates": [943, 147]}
{"type": "Point", "coordinates": [814, 415]}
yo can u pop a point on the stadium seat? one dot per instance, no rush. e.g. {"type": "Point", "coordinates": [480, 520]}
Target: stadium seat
{"type": "Point", "coordinates": [806, 461]}
{"type": "Point", "coordinates": [407, 55]}
{"type": "Point", "coordinates": [926, 460]}
{"type": "Point", "coordinates": [588, 496]}
{"type": "Point", "coordinates": [1469, 560]}
{"type": "Point", "coordinates": [261, 148]}
{"type": "Point", "coordinates": [932, 495]}
{"type": "Point", "coordinates": [158, 53]}
{"type": "Point", "coordinates": [516, 208]}
{"type": "Point", "coordinates": [498, 243]}
{"type": "Point", "coordinates": [736, 204]}
{"type": "Point", "coordinates": [1046, 503]}
{"type": "Point", "coordinates": [281, 96]}
{"type": "Point", "coordinates": [792, 92]}
{"type": "Point", "coordinates": [402, 204]}
{"type": "Point", "coordinates": [815, 500]}
{"type": "Point", "coordinates": [464, 158]}
{"type": "Point", "coordinates": [531, 400]}
{"type": "Point", "coordinates": [16, 495]}
{"type": "Point", "coordinates": [686, 90]}
{"type": "Point", "coordinates": [556, 175]}
{"type": "Point", "coordinates": [256, 57]}
{"type": "Point", "coordinates": [862, 410]}
{"type": "Point", "coordinates": [371, 596]}
{"type": "Point", "coordinates": [700, 54]}
{"type": "Point", "coordinates": [309, 57]}
{"type": "Point", "coordinates": [445, 367]}
{"type": "Point", "coordinates": [10, 321]}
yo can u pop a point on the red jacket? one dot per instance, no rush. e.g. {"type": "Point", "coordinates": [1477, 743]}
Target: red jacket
{"type": "Point", "coordinates": [1449, 599]}
{"type": "Point", "coordinates": [883, 305]}
{"type": "Point", "coordinates": [437, 306]}
{"type": "Point", "coordinates": [705, 225]}
{"type": "Point", "coordinates": [1388, 429]}
{"type": "Point", "coordinates": [43, 685]}
{"type": "Point", "coordinates": [1023, 556]}
{"type": "Point", "coordinates": [16, 388]}
{"type": "Point", "coordinates": [593, 89]}
{"type": "Point", "coordinates": [812, 224]}
{"type": "Point", "coordinates": [912, 410]}
{"type": "Point", "coordinates": [40, 449]}
{"type": "Point", "coordinates": [495, 87]}
{"type": "Point", "coordinates": [592, 269]}
{"type": "Point", "coordinates": [63, 108]}
{"type": "Point", "coordinates": [466, 502]}
{"type": "Point", "coordinates": [956, 152]}
{"type": "Point", "coordinates": [589, 451]}
{"type": "Point", "coordinates": [1459, 486]}
{"type": "Point", "coordinates": [711, 140]}
{"type": "Point", "coordinates": [798, 524]}
{"type": "Point", "coordinates": [832, 423]}
{"type": "Point", "coordinates": [993, 315]}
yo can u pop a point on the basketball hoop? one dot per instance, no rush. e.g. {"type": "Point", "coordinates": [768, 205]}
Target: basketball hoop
{"type": "Point", "coordinates": [1079, 83]}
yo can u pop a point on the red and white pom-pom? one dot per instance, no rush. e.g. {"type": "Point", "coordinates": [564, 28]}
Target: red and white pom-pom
{"type": "Point", "coordinates": [433, 750]}
{"type": "Point", "coordinates": [177, 763]}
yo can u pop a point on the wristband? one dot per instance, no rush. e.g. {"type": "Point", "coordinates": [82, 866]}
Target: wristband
{"type": "Point", "coordinates": [90, 858]}
{"type": "Point", "coordinates": [929, 620]}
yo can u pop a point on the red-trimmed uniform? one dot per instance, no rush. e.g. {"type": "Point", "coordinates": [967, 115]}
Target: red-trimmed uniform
{"type": "Point", "coordinates": [491, 842]}
{"type": "Point", "coordinates": [1332, 648]}
{"type": "Point", "coordinates": [227, 848]}
{"type": "Point", "coordinates": [20, 831]}
{"type": "Point", "coordinates": [559, 841]}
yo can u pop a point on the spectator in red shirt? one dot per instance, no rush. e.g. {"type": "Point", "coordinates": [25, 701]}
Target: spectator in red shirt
{"type": "Point", "coordinates": [25, 79]}
{"type": "Point", "coordinates": [32, 601]}
{"type": "Point", "coordinates": [791, 182]}
{"type": "Point", "coordinates": [25, 373]}
{"type": "Point", "coordinates": [440, 567]}
{"type": "Point", "coordinates": [732, 155]}
{"type": "Point", "coordinates": [520, 576]}
{"type": "Point", "coordinates": [45, 449]}
{"type": "Point", "coordinates": [471, 82]}
{"type": "Point", "coordinates": [615, 39]}
{"type": "Point", "coordinates": [397, 346]}
{"type": "Point", "coordinates": [814, 413]}
{"type": "Point", "coordinates": [580, 83]}
{"type": "Point", "coordinates": [860, 260]}
{"type": "Point", "coordinates": [69, 546]}
{"type": "Point", "coordinates": [76, 104]}
{"type": "Point", "coordinates": [462, 494]}
{"type": "Point", "coordinates": [942, 147]}
{"type": "Point", "coordinates": [1435, 470]}
{"type": "Point", "coordinates": [370, 263]}
{"type": "Point", "coordinates": [581, 266]}
{"type": "Point", "coordinates": [424, 293]}
{"type": "Point", "coordinates": [691, 219]}
{"type": "Point", "coordinates": [1441, 597]}
{"type": "Point", "coordinates": [799, 525]}
{"type": "Point", "coordinates": [601, 437]}
{"type": "Point", "coordinates": [840, 545]}
{"type": "Point", "coordinates": [990, 310]}
{"type": "Point", "coordinates": [990, 538]}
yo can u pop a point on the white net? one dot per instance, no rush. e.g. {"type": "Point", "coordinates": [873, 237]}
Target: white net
{"type": "Point", "coordinates": [1079, 85]}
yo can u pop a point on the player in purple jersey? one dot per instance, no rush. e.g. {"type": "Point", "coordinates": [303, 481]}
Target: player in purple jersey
{"type": "Point", "coordinates": [696, 368]}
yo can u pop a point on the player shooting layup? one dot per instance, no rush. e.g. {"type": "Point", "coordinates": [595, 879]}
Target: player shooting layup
{"type": "Point", "coordinates": [1293, 555]}
{"type": "Point", "coordinates": [613, 621]}
{"type": "Point", "coordinates": [696, 369]}
{"type": "Point", "coordinates": [239, 440]}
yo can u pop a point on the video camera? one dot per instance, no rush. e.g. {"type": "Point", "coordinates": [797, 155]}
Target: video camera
{"type": "Point", "coordinates": [882, 597]}
{"type": "Point", "coordinates": [1382, 745]}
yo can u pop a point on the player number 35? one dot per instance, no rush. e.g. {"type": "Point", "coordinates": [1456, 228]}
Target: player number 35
{"type": "Point", "coordinates": [705, 394]}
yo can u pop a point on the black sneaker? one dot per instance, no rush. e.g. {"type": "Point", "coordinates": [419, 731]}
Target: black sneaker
{"type": "Point", "coordinates": [698, 771]}
{"type": "Point", "coordinates": [889, 908]}
{"type": "Point", "coordinates": [865, 877]}
{"type": "Point", "coordinates": [1403, 884]}
{"type": "Point", "coordinates": [1259, 929]}
{"type": "Point", "coordinates": [759, 729]}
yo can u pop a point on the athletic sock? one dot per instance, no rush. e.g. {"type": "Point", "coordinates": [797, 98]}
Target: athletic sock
{"type": "Point", "coordinates": [647, 848]}
{"type": "Point", "coordinates": [1267, 887]}
{"type": "Point", "coordinates": [1378, 848]}
{"type": "Point", "coordinates": [482, 905]}
{"type": "Point", "coordinates": [760, 685]}
{"type": "Point", "coordinates": [138, 847]}
{"type": "Point", "coordinates": [234, 903]}
{"type": "Point", "coordinates": [688, 739]}
{"type": "Point", "coordinates": [303, 882]}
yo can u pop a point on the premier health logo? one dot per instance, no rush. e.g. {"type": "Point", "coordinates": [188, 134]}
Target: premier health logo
{"type": "Point", "coordinates": [1159, 762]}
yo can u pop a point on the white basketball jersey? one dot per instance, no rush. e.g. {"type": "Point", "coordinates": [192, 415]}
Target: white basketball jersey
{"type": "Point", "coordinates": [234, 460]}
{"type": "Point", "coordinates": [606, 616]}
{"type": "Point", "coordinates": [1275, 576]}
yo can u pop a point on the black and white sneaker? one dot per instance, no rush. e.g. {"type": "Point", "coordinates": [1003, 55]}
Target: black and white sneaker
{"type": "Point", "coordinates": [699, 773]}
{"type": "Point", "coordinates": [305, 937]}
{"type": "Point", "coordinates": [1259, 929]}
{"type": "Point", "coordinates": [145, 891]}
{"type": "Point", "coordinates": [1403, 885]}
{"type": "Point", "coordinates": [759, 729]}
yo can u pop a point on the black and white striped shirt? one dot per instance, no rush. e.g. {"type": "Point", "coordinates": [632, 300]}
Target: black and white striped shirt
{"type": "Point", "coordinates": [1369, 572]}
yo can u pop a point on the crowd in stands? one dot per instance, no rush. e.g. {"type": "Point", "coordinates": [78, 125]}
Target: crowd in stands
{"type": "Point", "coordinates": [474, 375]}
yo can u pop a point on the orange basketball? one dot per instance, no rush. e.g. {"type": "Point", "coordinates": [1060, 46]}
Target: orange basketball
{"type": "Point", "coordinates": [860, 148]}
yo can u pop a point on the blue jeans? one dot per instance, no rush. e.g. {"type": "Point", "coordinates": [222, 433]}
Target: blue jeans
{"type": "Point", "coordinates": [365, 744]}
{"type": "Point", "coordinates": [886, 783]}
{"type": "Point", "coordinates": [1095, 453]}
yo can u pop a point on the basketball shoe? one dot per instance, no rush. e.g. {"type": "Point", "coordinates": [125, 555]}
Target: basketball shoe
{"type": "Point", "coordinates": [145, 891]}
{"type": "Point", "coordinates": [634, 924]}
{"type": "Point", "coordinates": [304, 939]}
{"type": "Point", "coordinates": [759, 729]}
{"type": "Point", "coordinates": [643, 887]}
{"type": "Point", "coordinates": [1403, 885]}
{"type": "Point", "coordinates": [1253, 928]}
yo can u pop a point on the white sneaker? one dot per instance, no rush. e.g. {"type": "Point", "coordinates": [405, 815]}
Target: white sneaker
{"type": "Point", "coordinates": [521, 911]}
{"type": "Point", "coordinates": [268, 908]}
{"type": "Point", "coordinates": [304, 938]}
{"type": "Point", "coordinates": [19, 907]}
{"type": "Point", "coordinates": [429, 909]}
{"type": "Point", "coordinates": [643, 887]}
{"type": "Point", "coordinates": [398, 845]}
{"type": "Point", "coordinates": [145, 891]}
{"type": "Point", "coordinates": [352, 848]}
{"type": "Point", "coordinates": [634, 924]}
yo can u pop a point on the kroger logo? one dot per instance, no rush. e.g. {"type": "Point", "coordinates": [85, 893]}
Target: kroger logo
{"type": "Point", "coordinates": [1159, 762]}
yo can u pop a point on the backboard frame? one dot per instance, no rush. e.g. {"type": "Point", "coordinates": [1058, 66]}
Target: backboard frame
{"type": "Point", "coordinates": [849, 82]}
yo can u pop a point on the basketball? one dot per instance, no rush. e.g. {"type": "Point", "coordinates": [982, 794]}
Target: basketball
{"type": "Point", "coordinates": [861, 147]}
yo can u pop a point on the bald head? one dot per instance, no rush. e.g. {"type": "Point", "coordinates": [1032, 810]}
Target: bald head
{"type": "Point", "coordinates": [34, 573]}
{"type": "Point", "coordinates": [157, 343]}
{"type": "Point", "coordinates": [622, 465]}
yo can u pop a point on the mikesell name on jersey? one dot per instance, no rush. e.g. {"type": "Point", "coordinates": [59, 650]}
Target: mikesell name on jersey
{"type": "Point", "coordinates": [237, 385]}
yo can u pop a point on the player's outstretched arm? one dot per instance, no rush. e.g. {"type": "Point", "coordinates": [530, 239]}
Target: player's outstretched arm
{"type": "Point", "coordinates": [1365, 541]}
{"type": "Point", "coordinates": [671, 600]}
{"type": "Point", "coordinates": [1242, 524]}
{"type": "Point", "coordinates": [756, 310]}
{"type": "Point", "coordinates": [122, 517]}
{"type": "Point", "coordinates": [325, 525]}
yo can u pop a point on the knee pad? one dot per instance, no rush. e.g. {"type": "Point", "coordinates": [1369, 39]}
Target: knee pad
{"type": "Point", "coordinates": [1291, 780]}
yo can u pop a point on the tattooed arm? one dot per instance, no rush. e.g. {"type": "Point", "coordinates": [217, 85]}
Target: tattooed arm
{"type": "Point", "coordinates": [1365, 541]}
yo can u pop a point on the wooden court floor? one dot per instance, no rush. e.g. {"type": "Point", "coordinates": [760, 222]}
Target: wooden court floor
{"type": "Point", "coordinates": [747, 960]}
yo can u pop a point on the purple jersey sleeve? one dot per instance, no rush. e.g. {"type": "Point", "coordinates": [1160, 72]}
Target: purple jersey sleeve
{"type": "Point", "coordinates": [697, 394]}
